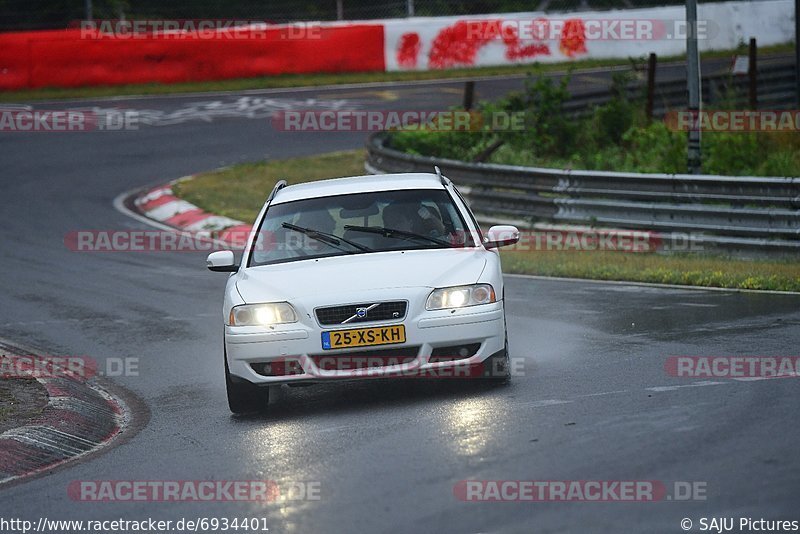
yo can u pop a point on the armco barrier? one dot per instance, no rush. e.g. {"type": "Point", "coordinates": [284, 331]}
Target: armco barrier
{"type": "Point", "coordinates": [747, 213]}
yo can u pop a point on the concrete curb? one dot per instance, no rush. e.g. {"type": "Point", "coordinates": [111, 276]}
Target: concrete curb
{"type": "Point", "coordinates": [81, 417]}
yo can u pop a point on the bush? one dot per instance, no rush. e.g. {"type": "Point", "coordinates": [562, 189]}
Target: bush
{"type": "Point", "coordinates": [548, 132]}
{"type": "Point", "coordinates": [616, 137]}
{"type": "Point", "coordinates": [610, 121]}
{"type": "Point", "coordinates": [730, 153]}
{"type": "Point", "coordinates": [654, 148]}
{"type": "Point", "coordinates": [455, 145]}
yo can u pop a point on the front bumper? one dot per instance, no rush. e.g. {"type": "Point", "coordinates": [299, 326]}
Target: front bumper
{"type": "Point", "coordinates": [299, 343]}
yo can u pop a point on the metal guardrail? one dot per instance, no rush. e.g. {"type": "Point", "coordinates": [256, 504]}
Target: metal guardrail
{"type": "Point", "coordinates": [743, 213]}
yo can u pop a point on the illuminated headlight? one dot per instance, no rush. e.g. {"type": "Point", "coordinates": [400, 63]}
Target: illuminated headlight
{"type": "Point", "coordinates": [262, 314]}
{"type": "Point", "coordinates": [460, 296]}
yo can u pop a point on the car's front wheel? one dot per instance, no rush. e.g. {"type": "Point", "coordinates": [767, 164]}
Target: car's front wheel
{"type": "Point", "coordinates": [244, 397]}
{"type": "Point", "coordinates": [497, 367]}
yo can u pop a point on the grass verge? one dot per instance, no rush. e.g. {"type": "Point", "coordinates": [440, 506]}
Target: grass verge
{"type": "Point", "coordinates": [301, 80]}
{"type": "Point", "coordinates": [691, 269]}
{"type": "Point", "coordinates": [240, 191]}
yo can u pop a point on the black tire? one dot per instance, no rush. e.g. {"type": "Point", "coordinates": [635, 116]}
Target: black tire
{"type": "Point", "coordinates": [243, 396]}
{"type": "Point", "coordinates": [497, 367]}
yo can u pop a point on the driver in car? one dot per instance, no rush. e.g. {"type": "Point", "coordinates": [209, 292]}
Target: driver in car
{"type": "Point", "coordinates": [416, 218]}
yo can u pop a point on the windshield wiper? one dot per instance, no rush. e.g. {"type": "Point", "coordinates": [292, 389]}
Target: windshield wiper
{"type": "Point", "coordinates": [391, 232]}
{"type": "Point", "coordinates": [325, 237]}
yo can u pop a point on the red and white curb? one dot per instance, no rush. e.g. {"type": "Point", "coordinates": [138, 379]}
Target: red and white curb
{"type": "Point", "coordinates": [81, 417]}
{"type": "Point", "coordinates": [160, 204]}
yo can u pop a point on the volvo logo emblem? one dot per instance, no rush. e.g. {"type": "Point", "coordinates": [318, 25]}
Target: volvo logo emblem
{"type": "Point", "coordinates": [361, 312]}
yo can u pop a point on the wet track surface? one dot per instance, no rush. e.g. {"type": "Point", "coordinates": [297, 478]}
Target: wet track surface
{"type": "Point", "coordinates": [593, 401]}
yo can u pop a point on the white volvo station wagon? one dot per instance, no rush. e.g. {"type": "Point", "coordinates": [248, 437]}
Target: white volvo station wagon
{"type": "Point", "coordinates": [363, 277]}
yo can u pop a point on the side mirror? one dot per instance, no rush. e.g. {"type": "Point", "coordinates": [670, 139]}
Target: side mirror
{"type": "Point", "coordinates": [500, 236]}
{"type": "Point", "coordinates": [222, 261]}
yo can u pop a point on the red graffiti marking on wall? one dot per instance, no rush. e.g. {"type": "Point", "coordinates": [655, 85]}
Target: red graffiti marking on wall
{"type": "Point", "coordinates": [408, 50]}
{"type": "Point", "coordinates": [459, 44]}
{"type": "Point", "coordinates": [573, 38]}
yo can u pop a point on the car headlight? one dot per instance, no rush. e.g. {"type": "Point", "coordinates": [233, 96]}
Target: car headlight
{"type": "Point", "coordinates": [262, 314]}
{"type": "Point", "coordinates": [460, 297]}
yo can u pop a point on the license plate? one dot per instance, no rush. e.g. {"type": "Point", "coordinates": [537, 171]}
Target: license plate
{"type": "Point", "coordinates": [364, 337]}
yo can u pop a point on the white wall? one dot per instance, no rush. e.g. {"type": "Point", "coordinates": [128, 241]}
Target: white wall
{"type": "Point", "coordinates": [728, 23]}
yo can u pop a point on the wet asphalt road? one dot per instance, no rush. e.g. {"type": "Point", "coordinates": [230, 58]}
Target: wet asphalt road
{"type": "Point", "coordinates": [593, 401]}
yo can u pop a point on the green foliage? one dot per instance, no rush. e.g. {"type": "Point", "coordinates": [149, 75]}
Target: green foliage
{"type": "Point", "coordinates": [610, 121]}
{"type": "Point", "coordinates": [730, 153]}
{"type": "Point", "coordinates": [546, 133]}
{"type": "Point", "coordinates": [542, 102]}
{"type": "Point", "coordinates": [654, 148]}
{"type": "Point", "coordinates": [755, 154]}
{"type": "Point", "coordinates": [443, 143]}
{"type": "Point", "coordinates": [616, 137]}
{"type": "Point", "coordinates": [780, 164]}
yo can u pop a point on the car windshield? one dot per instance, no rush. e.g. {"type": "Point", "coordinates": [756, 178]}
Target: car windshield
{"type": "Point", "coordinates": [358, 224]}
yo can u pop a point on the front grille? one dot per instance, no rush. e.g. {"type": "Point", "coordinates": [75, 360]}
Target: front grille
{"type": "Point", "coordinates": [384, 311]}
{"type": "Point", "coordinates": [365, 359]}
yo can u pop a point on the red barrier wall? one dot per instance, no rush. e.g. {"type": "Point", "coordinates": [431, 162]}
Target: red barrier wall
{"type": "Point", "coordinates": [70, 58]}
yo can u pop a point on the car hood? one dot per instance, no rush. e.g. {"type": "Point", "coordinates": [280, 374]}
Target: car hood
{"type": "Point", "coordinates": [361, 272]}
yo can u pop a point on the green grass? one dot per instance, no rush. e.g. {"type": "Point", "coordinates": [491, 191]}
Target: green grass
{"type": "Point", "coordinates": [240, 191]}
{"type": "Point", "coordinates": [692, 269]}
{"type": "Point", "coordinates": [298, 80]}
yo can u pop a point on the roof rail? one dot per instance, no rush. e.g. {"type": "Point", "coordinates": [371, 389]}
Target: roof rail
{"type": "Point", "coordinates": [439, 174]}
{"type": "Point", "coordinates": [280, 185]}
